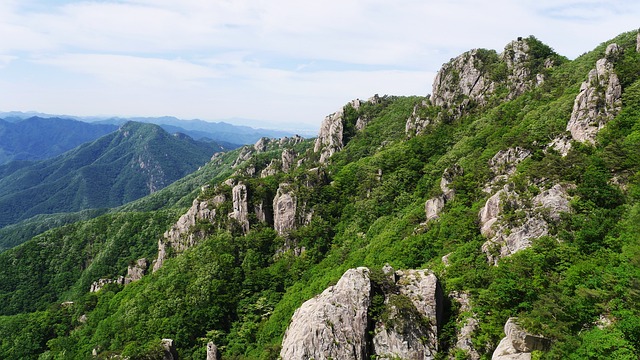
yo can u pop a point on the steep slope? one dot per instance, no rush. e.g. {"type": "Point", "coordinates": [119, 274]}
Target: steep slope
{"type": "Point", "coordinates": [134, 161]}
{"type": "Point", "coordinates": [39, 138]}
{"type": "Point", "coordinates": [534, 245]}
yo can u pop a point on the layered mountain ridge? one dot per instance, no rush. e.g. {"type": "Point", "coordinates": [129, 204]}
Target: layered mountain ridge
{"type": "Point", "coordinates": [134, 161]}
{"type": "Point", "coordinates": [507, 200]}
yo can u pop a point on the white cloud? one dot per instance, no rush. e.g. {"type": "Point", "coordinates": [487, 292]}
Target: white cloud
{"type": "Point", "coordinates": [268, 59]}
{"type": "Point", "coordinates": [127, 70]}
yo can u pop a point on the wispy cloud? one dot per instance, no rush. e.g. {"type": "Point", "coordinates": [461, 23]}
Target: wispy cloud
{"type": "Point", "coordinates": [277, 59]}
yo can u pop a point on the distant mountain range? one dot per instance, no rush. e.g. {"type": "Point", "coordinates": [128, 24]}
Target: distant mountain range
{"type": "Point", "coordinates": [222, 132]}
{"type": "Point", "coordinates": [124, 165]}
{"type": "Point", "coordinates": [38, 138]}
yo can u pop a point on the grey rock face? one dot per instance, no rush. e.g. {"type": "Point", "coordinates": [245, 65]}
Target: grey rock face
{"type": "Point", "coordinates": [411, 330]}
{"type": "Point", "coordinates": [504, 238]}
{"type": "Point", "coordinates": [260, 212]}
{"type": "Point", "coordinates": [333, 324]}
{"type": "Point", "coordinates": [505, 161]}
{"type": "Point", "coordinates": [448, 176]}
{"type": "Point", "coordinates": [240, 206]}
{"type": "Point", "coordinates": [598, 102]}
{"type": "Point", "coordinates": [461, 78]}
{"type": "Point", "coordinates": [212, 351]}
{"type": "Point", "coordinates": [404, 341]}
{"type": "Point", "coordinates": [518, 344]}
{"type": "Point", "coordinates": [469, 326]}
{"type": "Point", "coordinates": [638, 42]}
{"type": "Point", "coordinates": [329, 139]}
{"type": "Point", "coordinates": [284, 210]}
{"type": "Point", "coordinates": [336, 323]}
{"type": "Point", "coordinates": [561, 144]}
{"type": "Point", "coordinates": [261, 144]}
{"type": "Point", "coordinates": [288, 158]}
{"type": "Point", "coordinates": [179, 237]}
{"type": "Point", "coordinates": [136, 271]}
{"type": "Point", "coordinates": [416, 124]}
{"type": "Point", "coordinates": [170, 352]}
{"type": "Point", "coordinates": [243, 156]}
{"type": "Point", "coordinates": [434, 206]}
{"type": "Point", "coordinates": [100, 283]}
{"type": "Point", "coordinates": [270, 170]}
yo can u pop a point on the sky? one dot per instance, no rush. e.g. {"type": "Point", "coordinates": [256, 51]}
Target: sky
{"type": "Point", "coordinates": [282, 64]}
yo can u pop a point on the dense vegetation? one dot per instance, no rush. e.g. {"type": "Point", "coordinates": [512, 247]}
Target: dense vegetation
{"type": "Point", "coordinates": [579, 286]}
{"type": "Point", "coordinates": [125, 165]}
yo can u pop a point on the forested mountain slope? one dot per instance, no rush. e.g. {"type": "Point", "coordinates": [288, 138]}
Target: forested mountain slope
{"type": "Point", "coordinates": [125, 165]}
{"type": "Point", "coordinates": [513, 189]}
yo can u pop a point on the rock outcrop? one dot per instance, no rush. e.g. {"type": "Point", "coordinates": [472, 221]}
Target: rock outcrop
{"type": "Point", "coordinates": [180, 237]}
{"type": "Point", "coordinates": [212, 351]}
{"type": "Point", "coordinates": [261, 144]}
{"type": "Point", "coordinates": [638, 42]}
{"type": "Point", "coordinates": [462, 81]}
{"type": "Point", "coordinates": [561, 144]}
{"type": "Point", "coordinates": [417, 122]}
{"type": "Point", "coordinates": [288, 159]}
{"type": "Point", "coordinates": [518, 344]}
{"type": "Point", "coordinates": [100, 283]}
{"type": "Point", "coordinates": [599, 100]}
{"type": "Point", "coordinates": [339, 323]}
{"type": "Point", "coordinates": [471, 78]}
{"type": "Point", "coordinates": [529, 219]}
{"type": "Point", "coordinates": [284, 210]}
{"type": "Point", "coordinates": [505, 161]}
{"type": "Point", "coordinates": [240, 211]}
{"type": "Point", "coordinates": [329, 139]}
{"type": "Point", "coordinates": [244, 155]}
{"type": "Point", "coordinates": [503, 165]}
{"type": "Point", "coordinates": [434, 206]}
{"type": "Point", "coordinates": [334, 324]}
{"type": "Point", "coordinates": [169, 350]}
{"type": "Point", "coordinates": [469, 326]}
{"type": "Point", "coordinates": [136, 271]}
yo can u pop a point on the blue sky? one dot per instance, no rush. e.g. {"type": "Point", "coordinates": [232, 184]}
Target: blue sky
{"type": "Point", "coordinates": [285, 63]}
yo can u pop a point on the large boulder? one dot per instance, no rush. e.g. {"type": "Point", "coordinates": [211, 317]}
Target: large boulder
{"type": "Point", "coordinates": [340, 323]}
{"type": "Point", "coordinates": [410, 329]}
{"type": "Point", "coordinates": [334, 324]}
{"type": "Point", "coordinates": [518, 344]}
